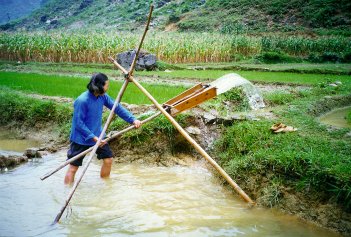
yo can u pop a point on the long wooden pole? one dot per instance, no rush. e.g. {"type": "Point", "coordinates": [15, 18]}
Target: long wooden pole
{"type": "Point", "coordinates": [115, 135]}
{"type": "Point", "coordinates": [188, 137]}
{"type": "Point", "coordinates": [131, 70]}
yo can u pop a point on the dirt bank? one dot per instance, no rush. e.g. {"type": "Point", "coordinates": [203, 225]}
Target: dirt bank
{"type": "Point", "coordinates": [329, 103]}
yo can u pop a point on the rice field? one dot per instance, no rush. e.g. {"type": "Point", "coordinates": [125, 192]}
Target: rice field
{"type": "Point", "coordinates": [72, 87]}
{"type": "Point", "coordinates": [170, 47]}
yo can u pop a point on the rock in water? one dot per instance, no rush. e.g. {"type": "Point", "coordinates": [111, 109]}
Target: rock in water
{"type": "Point", "coordinates": [32, 153]}
{"type": "Point", "coordinates": [209, 118]}
{"type": "Point", "coordinates": [11, 159]}
{"type": "Point", "coordinates": [146, 61]}
{"type": "Point", "coordinates": [193, 130]}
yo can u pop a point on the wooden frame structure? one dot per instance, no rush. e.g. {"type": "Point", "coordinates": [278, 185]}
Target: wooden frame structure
{"type": "Point", "coordinates": [186, 100]}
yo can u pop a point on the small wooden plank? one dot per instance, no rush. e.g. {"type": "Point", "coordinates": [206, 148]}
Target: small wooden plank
{"type": "Point", "coordinates": [195, 100]}
{"type": "Point", "coordinates": [184, 94]}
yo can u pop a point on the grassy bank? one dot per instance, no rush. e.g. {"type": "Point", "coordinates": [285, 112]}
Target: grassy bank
{"type": "Point", "coordinates": [20, 110]}
{"type": "Point", "coordinates": [314, 160]}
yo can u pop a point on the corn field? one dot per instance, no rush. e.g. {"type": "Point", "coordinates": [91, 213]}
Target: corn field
{"type": "Point", "coordinates": [169, 47]}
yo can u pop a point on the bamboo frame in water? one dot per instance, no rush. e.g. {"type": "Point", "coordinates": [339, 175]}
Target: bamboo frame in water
{"type": "Point", "coordinates": [187, 136]}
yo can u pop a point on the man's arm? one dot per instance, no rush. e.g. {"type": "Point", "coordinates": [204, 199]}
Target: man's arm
{"type": "Point", "coordinates": [121, 111]}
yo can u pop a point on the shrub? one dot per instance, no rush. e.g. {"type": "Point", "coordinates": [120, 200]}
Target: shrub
{"type": "Point", "coordinates": [330, 57]}
{"type": "Point", "coordinates": [276, 57]}
{"type": "Point", "coordinates": [278, 98]}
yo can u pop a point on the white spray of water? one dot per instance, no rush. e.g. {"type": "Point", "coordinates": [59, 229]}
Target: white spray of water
{"type": "Point", "coordinates": [229, 81]}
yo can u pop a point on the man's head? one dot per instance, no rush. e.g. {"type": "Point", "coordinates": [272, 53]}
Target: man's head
{"type": "Point", "coordinates": [98, 84]}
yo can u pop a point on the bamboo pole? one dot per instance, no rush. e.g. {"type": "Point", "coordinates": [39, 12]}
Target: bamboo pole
{"type": "Point", "coordinates": [135, 59]}
{"type": "Point", "coordinates": [131, 70]}
{"type": "Point", "coordinates": [115, 135]}
{"type": "Point", "coordinates": [187, 137]}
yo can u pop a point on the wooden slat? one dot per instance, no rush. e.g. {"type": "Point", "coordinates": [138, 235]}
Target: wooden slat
{"type": "Point", "coordinates": [193, 101]}
{"type": "Point", "coordinates": [179, 97]}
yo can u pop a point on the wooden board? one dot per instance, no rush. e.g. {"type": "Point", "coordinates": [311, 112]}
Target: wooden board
{"type": "Point", "coordinates": [194, 100]}
{"type": "Point", "coordinates": [195, 89]}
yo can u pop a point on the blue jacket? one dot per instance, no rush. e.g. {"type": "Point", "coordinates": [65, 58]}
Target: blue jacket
{"type": "Point", "coordinates": [87, 117]}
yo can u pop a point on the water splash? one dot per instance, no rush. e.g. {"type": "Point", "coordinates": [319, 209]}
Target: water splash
{"type": "Point", "coordinates": [229, 81]}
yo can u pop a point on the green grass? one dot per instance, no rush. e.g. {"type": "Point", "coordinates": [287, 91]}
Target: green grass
{"type": "Point", "coordinates": [348, 117]}
{"type": "Point", "coordinates": [302, 158]}
{"type": "Point", "coordinates": [281, 77]}
{"type": "Point", "coordinates": [30, 112]}
{"type": "Point", "coordinates": [278, 98]}
{"type": "Point", "coordinates": [22, 110]}
{"type": "Point", "coordinates": [15, 106]}
{"type": "Point", "coordinates": [260, 76]}
{"type": "Point", "coordinates": [72, 87]}
{"type": "Point", "coordinates": [248, 65]}
{"type": "Point", "coordinates": [78, 69]}
{"type": "Point", "coordinates": [304, 67]}
{"type": "Point", "coordinates": [312, 159]}
{"type": "Point", "coordinates": [153, 129]}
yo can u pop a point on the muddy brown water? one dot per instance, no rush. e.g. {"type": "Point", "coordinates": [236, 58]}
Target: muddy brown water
{"type": "Point", "coordinates": [138, 200]}
{"type": "Point", "coordinates": [336, 118]}
{"type": "Point", "coordinates": [8, 142]}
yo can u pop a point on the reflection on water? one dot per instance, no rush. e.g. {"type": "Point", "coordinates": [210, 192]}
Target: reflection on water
{"type": "Point", "coordinates": [337, 118]}
{"type": "Point", "coordinates": [137, 200]}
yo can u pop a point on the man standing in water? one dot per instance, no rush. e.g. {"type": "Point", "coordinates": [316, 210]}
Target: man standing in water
{"type": "Point", "coordinates": [86, 125]}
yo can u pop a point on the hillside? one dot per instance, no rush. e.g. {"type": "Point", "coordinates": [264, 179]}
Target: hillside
{"type": "Point", "coordinates": [14, 9]}
{"type": "Point", "coordinates": [227, 16]}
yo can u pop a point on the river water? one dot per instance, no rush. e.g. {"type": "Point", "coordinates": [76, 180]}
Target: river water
{"type": "Point", "coordinates": [136, 200]}
{"type": "Point", "coordinates": [8, 142]}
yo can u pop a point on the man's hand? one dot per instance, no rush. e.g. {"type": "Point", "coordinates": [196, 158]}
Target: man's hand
{"type": "Point", "coordinates": [137, 124]}
{"type": "Point", "coordinates": [102, 143]}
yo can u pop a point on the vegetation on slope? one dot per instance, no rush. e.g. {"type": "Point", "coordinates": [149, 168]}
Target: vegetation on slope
{"type": "Point", "coordinates": [227, 16]}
